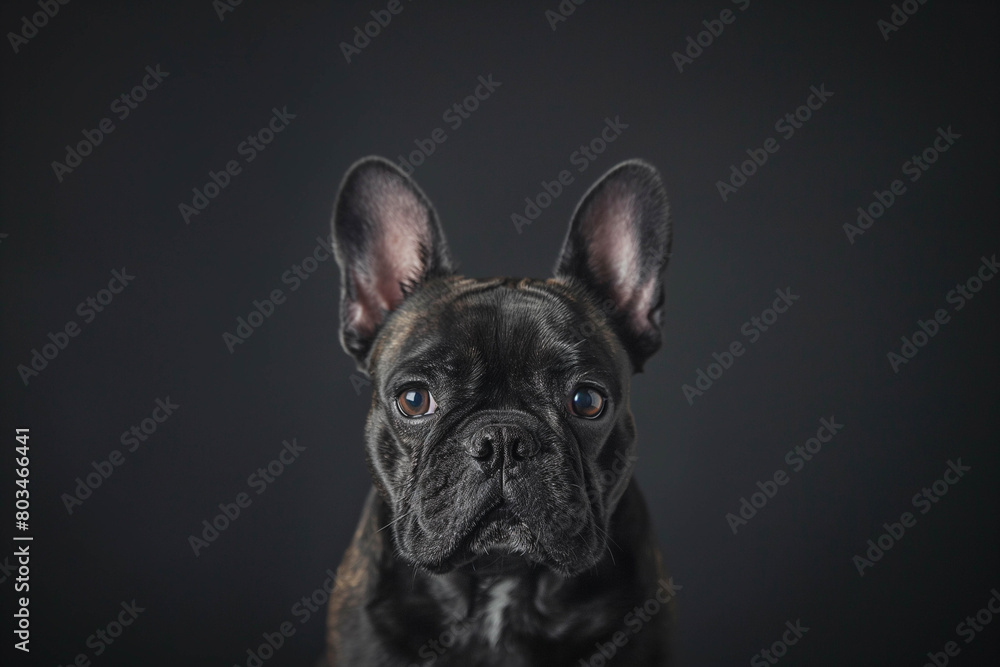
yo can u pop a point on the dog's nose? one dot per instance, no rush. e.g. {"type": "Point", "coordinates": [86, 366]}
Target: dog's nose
{"type": "Point", "coordinates": [502, 442]}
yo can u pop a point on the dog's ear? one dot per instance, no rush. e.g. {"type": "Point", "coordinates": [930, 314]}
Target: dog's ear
{"type": "Point", "coordinates": [617, 247]}
{"type": "Point", "coordinates": [387, 240]}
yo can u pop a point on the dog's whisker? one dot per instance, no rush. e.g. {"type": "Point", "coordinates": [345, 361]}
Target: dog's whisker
{"type": "Point", "coordinates": [607, 535]}
{"type": "Point", "coordinates": [401, 516]}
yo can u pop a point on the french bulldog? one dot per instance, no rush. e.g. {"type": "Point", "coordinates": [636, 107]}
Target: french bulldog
{"type": "Point", "coordinates": [504, 526]}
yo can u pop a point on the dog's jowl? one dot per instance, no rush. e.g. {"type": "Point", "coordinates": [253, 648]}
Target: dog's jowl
{"type": "Point", "coordinates": [504, 526]}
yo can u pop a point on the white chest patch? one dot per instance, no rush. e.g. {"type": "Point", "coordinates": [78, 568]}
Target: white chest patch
{"type": "Point", "coordinates": [499, 601]}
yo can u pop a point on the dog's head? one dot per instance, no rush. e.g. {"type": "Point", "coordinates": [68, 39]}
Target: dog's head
{"type": "Point", "coordinates": [500, 423]}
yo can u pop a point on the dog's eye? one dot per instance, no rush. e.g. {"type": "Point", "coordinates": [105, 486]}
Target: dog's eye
{"type": "Point", "coordinates": [587, 403]}
{"type": "Point", "coordinates": [416, 402]}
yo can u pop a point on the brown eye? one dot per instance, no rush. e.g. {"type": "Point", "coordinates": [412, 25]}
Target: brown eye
{"type": "Point", "coordinates": [587, 403]}
{"type": "Point", "coordinates": [416, 402]}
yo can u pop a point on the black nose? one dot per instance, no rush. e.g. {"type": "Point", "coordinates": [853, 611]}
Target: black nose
{"type": "Point", "coordinates": [502, 442]}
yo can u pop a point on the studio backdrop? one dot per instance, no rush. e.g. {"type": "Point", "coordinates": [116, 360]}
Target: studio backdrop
{"type": "Point", "coordinates": [182, 455]}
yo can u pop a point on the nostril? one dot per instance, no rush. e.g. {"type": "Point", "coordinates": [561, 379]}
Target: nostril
{"type": "Point", "coordinates": [481, 447]}
{"type": "Point", "coordinates": [525, 448]}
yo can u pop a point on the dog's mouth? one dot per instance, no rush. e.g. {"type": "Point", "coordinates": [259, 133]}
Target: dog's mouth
{"type": "Point", "coordinates": [499, 530]}
{"type": "Point", "coordinates": [499, 541]}
{"type": "Point", "coordinates": [533, 522]}
{"type": "Point", "coordinates": [500, 513]}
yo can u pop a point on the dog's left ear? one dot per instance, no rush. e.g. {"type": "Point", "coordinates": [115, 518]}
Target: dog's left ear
{"type": "Point", "coordinates": [387, 240]}
{"type": "Point", "coordinates": [617, 247]}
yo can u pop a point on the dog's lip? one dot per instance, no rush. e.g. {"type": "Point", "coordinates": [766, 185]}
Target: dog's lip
{"type": "Point", "coordinates": [497, 559]}
{"type": "Point", "coordinates": [497, 562]}
{"type": "Point", "coordinates": [475, 525]}
{"type": "Point", "coordinates": [498, 512]}
{"type": "Point", "coordinates": [462, 554]}
{"type": "Point", "coordinates": [494, 507]}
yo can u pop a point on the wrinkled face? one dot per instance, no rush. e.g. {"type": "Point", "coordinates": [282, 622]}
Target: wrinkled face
{"type": "Point", "coordinates": [500, 431]}
{"type": "Point", "coordinates": [500, 427]}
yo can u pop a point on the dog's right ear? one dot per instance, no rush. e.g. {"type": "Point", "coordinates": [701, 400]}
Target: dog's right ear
{"type": "Point", "coordinates": [387, 240]}
{"type": "Point", "coordinates": [617, 247]}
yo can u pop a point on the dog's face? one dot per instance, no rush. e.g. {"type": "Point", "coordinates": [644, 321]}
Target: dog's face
{"type": "Point", "coordinates": [500, 430]}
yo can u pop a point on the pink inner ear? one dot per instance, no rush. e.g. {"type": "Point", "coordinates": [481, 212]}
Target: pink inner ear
{"type": "Point", "coordinates": [395, 256]}
{"type": "Point", "coordinates": [615, 254]}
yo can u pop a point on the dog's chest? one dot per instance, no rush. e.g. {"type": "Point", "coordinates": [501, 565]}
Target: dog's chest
{"type": "Point", "coordinates": [489, 629]}
{"type": "Point", "coordinates": [500, 598]}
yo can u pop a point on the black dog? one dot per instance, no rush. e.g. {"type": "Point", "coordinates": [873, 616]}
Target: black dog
{"type": "Point", "coordinates": [504, 527]}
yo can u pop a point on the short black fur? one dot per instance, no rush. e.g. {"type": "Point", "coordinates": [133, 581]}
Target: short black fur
{"type": "Point", "coordinates": [503, 524]}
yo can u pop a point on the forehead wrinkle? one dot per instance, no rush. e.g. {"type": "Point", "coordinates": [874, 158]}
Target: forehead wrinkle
{"type": "Point", "coordinates": [587, 309]}
{"type": "Point", "coordinates": [521, 332]}
{"type": "Point", "coordinates": [495, 325]}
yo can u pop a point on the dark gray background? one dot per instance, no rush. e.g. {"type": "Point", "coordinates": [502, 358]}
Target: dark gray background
{"type": "Point", "coordinates": [826, 356]}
